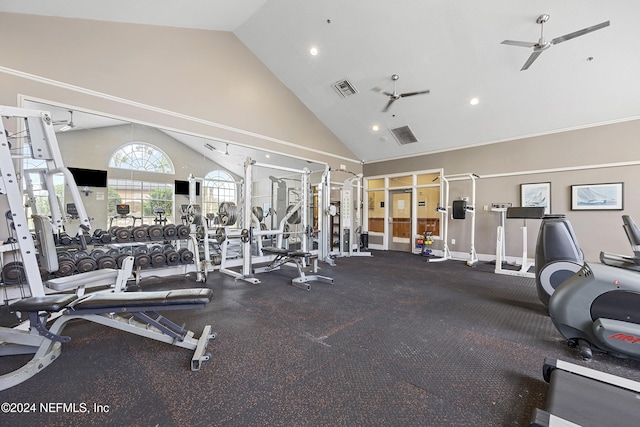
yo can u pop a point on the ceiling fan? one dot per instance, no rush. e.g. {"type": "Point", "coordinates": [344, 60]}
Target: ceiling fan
{"type": "Point", "coordinates": [543, 45]}
{"type": "Point", "coordinates": [212, 148]}
{"type": "Point", "coordinates": [68, 124]}
{"type": "Point", "coordinates": [393, 97]}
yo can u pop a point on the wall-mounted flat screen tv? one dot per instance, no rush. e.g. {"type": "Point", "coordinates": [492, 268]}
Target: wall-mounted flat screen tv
{"type": "Point", "coordinates": [182, 188]}
{"type": "Point", "coordinates": [89, 177]}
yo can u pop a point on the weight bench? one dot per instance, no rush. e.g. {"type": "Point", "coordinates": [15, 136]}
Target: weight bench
{"type": "Point", "coordinates": [580, 396]}
{"type": "Point", "coordinates": [107, 309]}
{"type": "Point", "coordinates": [300, 259]}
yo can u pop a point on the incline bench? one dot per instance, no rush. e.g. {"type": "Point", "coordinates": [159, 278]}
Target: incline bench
{"type": "Point", "coordinates": [106, 309]}
{"type": "Point", "coordinates": [299, 258]}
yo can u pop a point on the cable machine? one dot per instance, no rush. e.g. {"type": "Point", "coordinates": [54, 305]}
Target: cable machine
{"type": "Point", "coordinates": [351, 217]}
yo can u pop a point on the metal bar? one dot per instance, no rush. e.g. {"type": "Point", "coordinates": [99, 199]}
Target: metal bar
{"type": "Point", "coordinates": [282, 168]}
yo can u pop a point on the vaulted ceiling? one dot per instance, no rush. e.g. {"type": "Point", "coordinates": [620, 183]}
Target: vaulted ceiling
{"type": "Point", "coordinates": [452, 48]}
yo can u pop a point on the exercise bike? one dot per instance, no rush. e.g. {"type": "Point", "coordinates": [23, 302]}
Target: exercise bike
{"type": "Point", "coordinates": [558, 255]}
{"type": "Point", "coordinates": [598, 307]}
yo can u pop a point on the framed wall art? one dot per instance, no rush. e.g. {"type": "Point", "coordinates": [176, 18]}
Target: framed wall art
{"type": "Point", "coordinates": [536, 194]}
{"type": "Point", "coordinates": [597, 197]}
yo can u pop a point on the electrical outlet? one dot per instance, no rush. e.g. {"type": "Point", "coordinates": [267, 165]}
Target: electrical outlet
{"type": "Point", "coordinates": [453, 241]}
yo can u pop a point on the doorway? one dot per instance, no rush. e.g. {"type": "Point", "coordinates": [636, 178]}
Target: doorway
{"type": "Point", "coordinates": [399, 230]}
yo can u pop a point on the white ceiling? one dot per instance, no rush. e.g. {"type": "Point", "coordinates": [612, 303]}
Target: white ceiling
{"type": "Point", "coordinates": [452, 48]}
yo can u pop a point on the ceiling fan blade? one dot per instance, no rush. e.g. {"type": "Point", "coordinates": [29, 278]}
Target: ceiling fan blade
{"type": "Point", "coordinates": [391, 101]}
{"type": "Point", "coordinates": [532, 58]}
{"type": "Point", "coordinates": [579, 33]}
{"type": "Point", "coordinates": [517, 43]}
{"type": "Point", "coordinates": [382, 91]}
{"type": "Point", "coordinates": [403, 95]}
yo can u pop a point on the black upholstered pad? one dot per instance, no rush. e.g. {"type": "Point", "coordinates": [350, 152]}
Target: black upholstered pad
{"type": "Point", "coordinates": [144, 299]}
{"type": "Point", "coordinates": [48, 303]}
{"type": "Point", "coordinates": [299, 254]}
{"type": "Point", "coordinates": [285, 252]}
{"type": "Point", "coordinates": [526, 212]}
{"type": "Point", "coordinates": [274, 250]}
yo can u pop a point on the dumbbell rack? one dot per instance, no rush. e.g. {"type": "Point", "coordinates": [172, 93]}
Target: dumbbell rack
{"type": "Point", "coordinates": [166, 250]}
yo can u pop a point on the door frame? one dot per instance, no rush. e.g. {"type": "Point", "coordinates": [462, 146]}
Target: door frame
{"type": "Point", "coordinates": [393, 242]}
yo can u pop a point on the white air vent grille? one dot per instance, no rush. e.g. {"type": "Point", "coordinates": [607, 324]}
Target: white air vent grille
{"type": "Point", "coordinates": [404, 135]}
{"type": "Point", "coordinates": [345, 88]}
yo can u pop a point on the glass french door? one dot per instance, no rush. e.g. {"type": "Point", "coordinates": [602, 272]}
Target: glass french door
{"type": "Point", "coordinates": [399, 229]}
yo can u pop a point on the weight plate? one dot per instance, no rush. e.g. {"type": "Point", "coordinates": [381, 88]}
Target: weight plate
{"type": "Point", "coordinates": [221, 234]}
{"type": "Point", "coordinates": [170, 231]}
{"type": "Point", "coordinates": [123, 234]}
{"type": "Point", "coordinates": [155, 232]}
{"type": "Point", "coordinates": [140, 234]}
{"type": "Point", "coordinates": [142, 260]}
{"type": "Point", "coordinates": [107, 261]}
{"type": "Point", "coordinates": [186, 256]}
{"type": "Point", "coordinates": [86, 264]}
{"type": "Point", "coordinates": [66, 267]}
{"type": "Point", "coordinates": [157, 259]}
{"type": "Point", "coordinates": [183, 231]}
{"type": "Point", "coordinates": [13, 273]}
{"type": "Point", "coordinates": [173, 258]}
{"type": "Point", "coordinates": [120, 259]}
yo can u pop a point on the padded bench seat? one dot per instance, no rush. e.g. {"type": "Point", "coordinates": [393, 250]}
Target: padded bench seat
{"type": "Point", "coordinates": [286, 252]}
{"type": "Point", "coordinates": [155, 299]}
{"type": "Point", "coordinates": [120, 300]}
{"type": "Point", "coordinates": [48, 303]}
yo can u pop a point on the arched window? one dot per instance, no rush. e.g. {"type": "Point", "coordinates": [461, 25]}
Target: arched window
{"type": "Point", "coordinates": [142, 157]}
{"type": "Point", "coordinates": [219, 187]}
{"type": "Point", "coordinates": [144, 198]}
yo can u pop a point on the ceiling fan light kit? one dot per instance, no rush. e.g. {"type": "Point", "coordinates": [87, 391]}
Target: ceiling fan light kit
{"type": "Point", "coordinates": [543, 45]}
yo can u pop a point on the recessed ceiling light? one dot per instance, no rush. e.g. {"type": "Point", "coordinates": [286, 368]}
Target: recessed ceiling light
{"type": "Point", "coordinates": [267, 156]}
{"type": "Point", "coordinates": [474, 101]}
{"type": "Point", "coordinates": [375, 128]}
{"type": "Point", "coordinates": [313, 51]}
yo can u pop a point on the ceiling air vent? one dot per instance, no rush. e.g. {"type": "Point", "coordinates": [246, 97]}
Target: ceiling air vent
{"type": "Point", "coordinates": [345, 88]}
{"type": "Point", "coordinates": [404, 135]}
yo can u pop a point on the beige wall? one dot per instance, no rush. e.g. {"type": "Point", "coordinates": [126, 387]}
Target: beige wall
{"type": "Point", "coordinates": [215, 86]}
{"type": "Point", "coordinates": [563, 159]}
